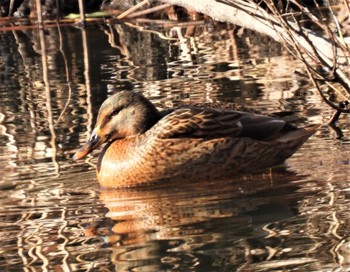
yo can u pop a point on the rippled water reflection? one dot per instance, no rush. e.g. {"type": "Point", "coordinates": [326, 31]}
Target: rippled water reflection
{"type": "Point", "coordinates": [54, 216]}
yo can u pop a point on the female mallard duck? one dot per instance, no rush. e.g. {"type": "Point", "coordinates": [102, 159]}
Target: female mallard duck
{"type": "Point", "coordinates": [145, 145]}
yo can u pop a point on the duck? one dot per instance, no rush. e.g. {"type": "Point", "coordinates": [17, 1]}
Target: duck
{"type": "Point", "coordinates": [144, 145]}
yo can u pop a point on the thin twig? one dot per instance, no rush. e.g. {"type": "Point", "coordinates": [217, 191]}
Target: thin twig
{"type": "Point", "coordinates": [12, 3]}
{"type": "Point", "coordinates": [148, 11]}
{"type": "Point", "coordinates": [39, 13]}
{"type": "Point", "coordinates": [82, 10]}
{"type": "Point", "coordinates": [168, 23]}
{"type": "Point", "coordinates": [132, 9]}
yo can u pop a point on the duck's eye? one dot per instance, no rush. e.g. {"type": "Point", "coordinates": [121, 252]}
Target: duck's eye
{"type": "Point", "coordinates": [115, 112]}
{"type": "Point", "coordinates": [108, 136]}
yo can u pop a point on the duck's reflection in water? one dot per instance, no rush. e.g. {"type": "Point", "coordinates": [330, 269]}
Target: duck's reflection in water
{"type": "Point", "coordinates": [206, 225]}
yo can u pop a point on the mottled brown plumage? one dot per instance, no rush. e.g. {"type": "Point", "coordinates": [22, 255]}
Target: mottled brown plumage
{"type": "Point", "coordinates": [187, 143]}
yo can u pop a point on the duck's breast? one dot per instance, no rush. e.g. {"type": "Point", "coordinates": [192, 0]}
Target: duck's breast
{"type": "Point", "coordinates": [135, 160]}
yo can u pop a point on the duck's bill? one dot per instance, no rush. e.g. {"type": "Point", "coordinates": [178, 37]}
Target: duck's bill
{"type": "Point", "coordinates": [94, 142]}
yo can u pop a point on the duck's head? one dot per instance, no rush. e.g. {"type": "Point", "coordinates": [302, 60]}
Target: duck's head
{"type": "Point", "coordinates": [123, 114]}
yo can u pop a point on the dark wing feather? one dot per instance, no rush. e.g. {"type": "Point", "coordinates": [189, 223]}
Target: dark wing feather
{"type": "Point", "coordinates": [211, 123]}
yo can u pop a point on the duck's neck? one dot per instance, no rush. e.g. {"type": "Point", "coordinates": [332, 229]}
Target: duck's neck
{"type": "Point", "coordinates": [147, 116]}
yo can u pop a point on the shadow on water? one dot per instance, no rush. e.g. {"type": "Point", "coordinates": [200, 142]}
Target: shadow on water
{"type": "Point", "coordinates": [53, 215]}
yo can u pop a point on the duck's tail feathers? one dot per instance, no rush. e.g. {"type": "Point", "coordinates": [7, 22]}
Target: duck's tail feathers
{"type": "Point", "coordinates": [301, 134]}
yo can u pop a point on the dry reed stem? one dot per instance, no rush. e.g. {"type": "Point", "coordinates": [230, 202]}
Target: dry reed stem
{"type": "Point", "coordinates": [132, 9]}
{"type": "Point", "coordinates": [148, 11]}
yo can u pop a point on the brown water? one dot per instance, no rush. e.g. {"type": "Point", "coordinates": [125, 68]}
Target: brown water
{"type": "Point", "coordinates": [54, 216]}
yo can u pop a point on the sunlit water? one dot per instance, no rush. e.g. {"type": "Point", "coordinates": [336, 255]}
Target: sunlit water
{"type": "Point", "coordinates": [54, 216]}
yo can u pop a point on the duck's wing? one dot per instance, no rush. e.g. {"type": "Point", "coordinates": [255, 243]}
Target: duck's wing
{"type": "Point", "coordinates": [220, 106]}
{"type": "Point", "coordinates": [211, 123]}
